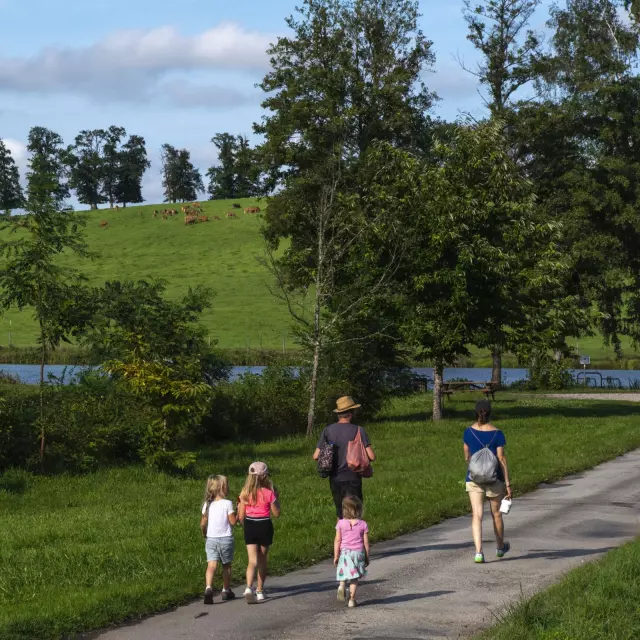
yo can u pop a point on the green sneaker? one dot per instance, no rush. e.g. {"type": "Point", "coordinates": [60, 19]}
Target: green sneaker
{"type": "Point", "coordinates": [479, 559]}
{"type": "Point", "coordinates": [506, 547]}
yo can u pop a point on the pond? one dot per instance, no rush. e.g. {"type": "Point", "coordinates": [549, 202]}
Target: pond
{"type": "Point", "coordinates": [30, 373]}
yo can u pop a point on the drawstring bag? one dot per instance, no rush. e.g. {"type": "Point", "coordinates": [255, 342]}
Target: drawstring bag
{"type": "Point", "coordinates": [483, 466]}
{"type": "Point", "coordinates": [325, 460]}
{"type": "Point", "coordinates": [357, 458]}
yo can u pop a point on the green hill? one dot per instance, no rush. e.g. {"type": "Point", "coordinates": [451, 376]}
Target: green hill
{"type": "Point", "coordinates": [220, 254]}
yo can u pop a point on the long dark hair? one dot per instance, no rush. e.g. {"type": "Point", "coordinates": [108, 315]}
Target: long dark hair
{"type": "Point", "coordinates": [483, 412]}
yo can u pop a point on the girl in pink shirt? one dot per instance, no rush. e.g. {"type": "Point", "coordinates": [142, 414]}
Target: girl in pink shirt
{"type": "Point", "coordinates": [257, 503]}
{"type": "Point", "coordinates": [351, 549]}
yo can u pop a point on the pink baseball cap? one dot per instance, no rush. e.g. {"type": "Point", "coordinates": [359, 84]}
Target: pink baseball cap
{"type": "Point", "coordinates": [258, 469]}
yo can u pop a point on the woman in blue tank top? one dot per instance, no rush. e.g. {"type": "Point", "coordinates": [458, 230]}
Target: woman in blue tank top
{"type": "Point", "coordinates": [480, 435]}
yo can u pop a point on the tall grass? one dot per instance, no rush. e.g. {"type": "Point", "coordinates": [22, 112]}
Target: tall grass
{"type": "Point", "coordinates": [79, 553]}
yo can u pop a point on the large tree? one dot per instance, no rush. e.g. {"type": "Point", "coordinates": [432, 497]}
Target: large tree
{"type": "Point", "coordinates": [133, 162]}
{"type": "Point", "coordinates": [47, 186]}
{"type": "Point", "coordinates": [87, 166]}
{"type": "Point", "coordinates": [237, 174]}
{"type": "Point", "coordinates": [349, 76]}
{"type": "Point", "coordinates": [112, 163]}
{"type": "Point", "coordinates": [181, 180]}
{"type": "Point", "coordinates": [10, 190]}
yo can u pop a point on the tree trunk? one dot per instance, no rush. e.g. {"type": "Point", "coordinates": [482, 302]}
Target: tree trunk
{"type": "Point", "coordinates": [111, 203]}
{"type": "Point", "coordinates": [496, 370]}
{"type": "Point", "coordinates": [94, 206]}
{"type": "Point", "coordinates": [311, 415]}
{"type": "Point", "coordinates": [43, 360]}
{"type": "Point", "coordinates": [438, 371]}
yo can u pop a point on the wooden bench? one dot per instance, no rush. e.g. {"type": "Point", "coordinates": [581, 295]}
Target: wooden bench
{"type": "Point", "coordinates": [488, 388]}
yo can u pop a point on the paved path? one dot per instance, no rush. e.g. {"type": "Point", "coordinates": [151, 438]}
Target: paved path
{"type": "Point", "coordinates": [425, 585]}
{"type": "Point", "coordinates": [621, 397]}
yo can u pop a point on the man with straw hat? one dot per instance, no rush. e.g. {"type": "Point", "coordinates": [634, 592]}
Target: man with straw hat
{"type": "Point", "coordinates": [343, 481]}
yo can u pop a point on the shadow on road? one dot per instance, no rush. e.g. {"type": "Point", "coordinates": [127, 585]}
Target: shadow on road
{"type": "Point", "coordinates": [427, 547]}
{"type": "Point", "coordinates": [561, 553]}
{"type": "Point", "coordinates": [407, 597]}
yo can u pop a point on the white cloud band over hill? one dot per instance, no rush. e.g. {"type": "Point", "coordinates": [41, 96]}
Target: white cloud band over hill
{"type": "Point", "coordinates": [134, 65]}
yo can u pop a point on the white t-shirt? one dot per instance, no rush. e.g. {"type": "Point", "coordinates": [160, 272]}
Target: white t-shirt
{"type": "Point", "coordinates": [218, 525]}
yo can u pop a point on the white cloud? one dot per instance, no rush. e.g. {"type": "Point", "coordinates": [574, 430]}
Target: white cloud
{"type": "Point", "coordinates": [132, 65]}
{"type": "Point", "coordinates": [18, 150]}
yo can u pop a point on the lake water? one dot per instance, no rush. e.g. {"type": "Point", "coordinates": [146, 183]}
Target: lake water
{"type": "Point", "coordinates": [30, 373]}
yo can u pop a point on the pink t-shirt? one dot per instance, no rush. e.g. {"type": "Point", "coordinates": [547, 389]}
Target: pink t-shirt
{"type": "Point", "coordinates": [352, 535]}
{"type": "Point", "coordinates": [263, 508]}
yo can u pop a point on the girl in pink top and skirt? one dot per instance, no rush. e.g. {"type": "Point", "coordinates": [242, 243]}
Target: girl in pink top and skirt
{"type": "Point", "coordinates": [257, 503]}
{"type": "Point", "coordinates": [351, 549]}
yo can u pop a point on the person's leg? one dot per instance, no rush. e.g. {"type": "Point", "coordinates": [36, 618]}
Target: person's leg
{"type": "Point", "coordinates": [262, 567]}
{"type": "Point", "coordinates": [226, 576]}
{"type": "Point", "coordinates": [337, 494]}
{"type": "Point", "coordinates": [252, 563]}
{"type": "Point", "coordinates": [498, 523]}
{"type": "Point", "coordinates": [477, 508]}
{"type": "Point", "coordinates": [342, 591]}
{"type": "Point", "coordinates": [353, 588]}
{"type": "Point", "coordinates": [211, 571]}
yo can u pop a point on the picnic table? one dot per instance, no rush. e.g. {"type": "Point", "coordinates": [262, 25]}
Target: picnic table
{"type": "Point", "coordinates": [488, 388]}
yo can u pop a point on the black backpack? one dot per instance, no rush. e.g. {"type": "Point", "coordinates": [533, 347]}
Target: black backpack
{"type": "Point", "coordinates": [325, 460]}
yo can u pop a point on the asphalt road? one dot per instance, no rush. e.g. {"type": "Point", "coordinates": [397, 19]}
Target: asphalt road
{"type": "Point", "coordinates": [425, 585]}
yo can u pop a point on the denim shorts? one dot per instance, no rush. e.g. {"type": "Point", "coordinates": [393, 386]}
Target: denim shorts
{"type": "Point", "coordinates": [220, 550]}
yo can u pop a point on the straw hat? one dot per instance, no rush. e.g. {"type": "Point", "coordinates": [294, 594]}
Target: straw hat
{"type": "Point", "coordinates": [346, 403]}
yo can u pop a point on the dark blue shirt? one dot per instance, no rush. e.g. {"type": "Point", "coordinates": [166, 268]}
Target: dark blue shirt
{"type": "Point", "coordinates": [475, 440]}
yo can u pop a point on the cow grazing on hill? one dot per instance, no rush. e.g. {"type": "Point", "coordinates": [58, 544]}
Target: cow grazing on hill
{"type": "Point", "coordinates": [203, 218]}
{"type": "Point", "coordinates": [215, 218]}
{"type": "Point", "coordinates": [231, 214]}
{"type": "Point", "coordinates": [235, 205]}
{"type": "Point", "coordinates": [190, 220]}
{"type": "Point", "coordinates": [252, 210]}
{"type": "Point", "coordinates": [104, 224]}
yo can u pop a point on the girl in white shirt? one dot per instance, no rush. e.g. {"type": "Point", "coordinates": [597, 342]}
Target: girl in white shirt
{"type": "Point", "coordinates": [217, 519]}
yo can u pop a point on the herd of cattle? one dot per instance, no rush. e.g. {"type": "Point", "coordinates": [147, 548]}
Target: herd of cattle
{"type": "Point", "coordinates": [192, 214]}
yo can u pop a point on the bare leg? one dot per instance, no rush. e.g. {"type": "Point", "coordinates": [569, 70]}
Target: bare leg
{"type": "Point", "coordinates": [477, 506]}
{"type": "Point", "coordinates": [353, 587]}
{"type": "Point", "coordinates": [498, 523]}
{"type": "Point", "coordinates": [252, 564]}
{"type": "Point", "coordinates": [226, 576]}
{"type": "Point", "coordinates": [262, 566]}
{"type": "Point", "coordinates": [211, 572]}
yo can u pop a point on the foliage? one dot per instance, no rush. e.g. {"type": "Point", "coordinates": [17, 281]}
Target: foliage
{"type": "Point", "coordinates": [238, 172]}
{"type": "Point", "coordinates": [545, 372]}
{"type": "Point", "coordinates": [180, 179]}
{"type": "Point", "coordinates": [87, 167]}
{"type": "Point", "coordinates": [46, 179]}
{"type": "Point", "coordinates": [10, 189]}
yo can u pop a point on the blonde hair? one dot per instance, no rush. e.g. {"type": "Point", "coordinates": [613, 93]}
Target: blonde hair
{"type": "Point", "coordinates": [253, 484]}
{"type": "Point", "coordinates": [217, 487]}
{"type": "Point", "coordinates": [351, 508]}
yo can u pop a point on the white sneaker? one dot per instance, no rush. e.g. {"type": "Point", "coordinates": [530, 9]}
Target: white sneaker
{"type": "Point", "coordinates": [352, 603]}
{"type": "Point", "coordinates": [261, 596]}
{"type": "Point", "coordinates": [342, 593]}
{"type": "Point", "coordinates": [250, 596]}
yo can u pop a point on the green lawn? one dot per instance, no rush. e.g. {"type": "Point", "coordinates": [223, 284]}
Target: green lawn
{"type": "Point", "coordinates": [595, 602]}
{"type": "Point", "coordinates": [82, 552]}
{"type": "Point", "coordinates": [220, 254]}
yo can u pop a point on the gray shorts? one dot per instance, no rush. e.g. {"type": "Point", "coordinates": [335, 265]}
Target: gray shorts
{"type": "Point", "coordinates": [220, 550]}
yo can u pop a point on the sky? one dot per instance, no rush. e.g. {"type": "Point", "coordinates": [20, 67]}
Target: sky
{"type": "Point", "coordinates": [176, 72]}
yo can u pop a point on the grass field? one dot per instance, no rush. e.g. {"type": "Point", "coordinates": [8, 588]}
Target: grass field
{"type": "Point", "coordinates": [595, 602]}
{"type": "Point", "coordinates": [82, 552]}
{"type": "Point", "coordinates": [220, 254]}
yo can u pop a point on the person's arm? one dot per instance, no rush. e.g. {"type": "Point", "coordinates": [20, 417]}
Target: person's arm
{"type": "Point", "coordinates": [204, 523]}
{"type": "Point", "coordinates": [321, 441]}
{"type": "Point", "coordinates": [505, 467]}
{"type": "Point", "coordinates": [316, 454]}
{"type": "Point", "coordinates": [233, 518]}
{"type": "Point", "coordinates": [336, 547]}
{"type": "Point", "coordinates": [371, 454]}
{"type": "Point", "coordinates": [241, 512]}
{"type": "Point", "coordinates": [275, 506]}
{"type": "Point", "coordinates": [367, 445]}
{"type": "Point", "coordinates": [467, 453]}
{"type": "Point", "coordinates": [367, 549]}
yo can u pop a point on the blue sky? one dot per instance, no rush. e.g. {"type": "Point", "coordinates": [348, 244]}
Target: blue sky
{"type": "Point", "coordinates": [176, 72]}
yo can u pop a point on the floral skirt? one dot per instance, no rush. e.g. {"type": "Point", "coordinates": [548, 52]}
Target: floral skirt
{"type": "Point", "coordinates": [351, 565]}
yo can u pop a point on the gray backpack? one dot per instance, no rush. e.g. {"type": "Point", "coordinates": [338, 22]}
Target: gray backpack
{"type": "Point", "coordinates": [483, 466]}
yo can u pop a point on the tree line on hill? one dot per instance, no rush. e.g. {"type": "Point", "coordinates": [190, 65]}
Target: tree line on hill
{"type": "Point", "coordinates": [103, 166]}
{"type": "Point", "coordinates": [406, 234]}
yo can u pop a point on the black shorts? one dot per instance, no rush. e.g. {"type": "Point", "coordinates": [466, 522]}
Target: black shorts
{"type": "Point", "coordinates": [342, 488]}
{"type": "Point", "coordinates": [258, 532]}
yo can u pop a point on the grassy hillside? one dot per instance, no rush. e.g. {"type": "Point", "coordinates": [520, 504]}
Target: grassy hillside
{"type": "Point", "coordinates": [220, 254]}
